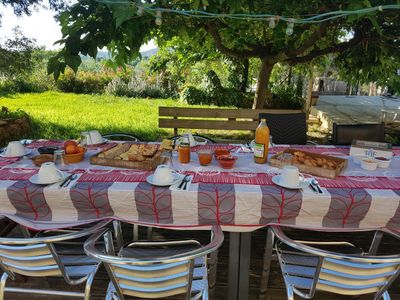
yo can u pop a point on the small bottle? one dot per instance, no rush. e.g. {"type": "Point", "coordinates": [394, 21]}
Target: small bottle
{"type": "Point", "coordinates": [60, 161]}
{"type": "Point", "coordinates": [184, 153]}
{"type": "Point", "coordinates": [261, 143]}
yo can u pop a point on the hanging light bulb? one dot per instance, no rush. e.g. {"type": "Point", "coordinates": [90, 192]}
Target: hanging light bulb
{"type": "Point", "coordinates": [158, 18]}
{"type": "Point", "coordinates": [272, 23]}
{"type": "Point", "coordinates": [140, 11]}
{"type": "Point", "coordinates": [290, 27]}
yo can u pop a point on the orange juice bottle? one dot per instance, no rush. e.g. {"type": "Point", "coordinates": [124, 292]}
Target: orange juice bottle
{"type": "Point", "coordinates": [261, 143]}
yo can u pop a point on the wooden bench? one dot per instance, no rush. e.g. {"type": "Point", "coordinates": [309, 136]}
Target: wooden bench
{"type": "Point", "coordinates": [213, 118]}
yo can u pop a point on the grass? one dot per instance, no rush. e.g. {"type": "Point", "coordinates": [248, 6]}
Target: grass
{"type": "Point", "coordinates": [63, 116]}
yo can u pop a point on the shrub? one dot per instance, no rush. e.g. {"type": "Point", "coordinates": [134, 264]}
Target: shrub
{"type": "Point", "coordinates": [117, 87]}
{"type": "Point", "coordinates": [83, 82]}
{"type": "Point", "coordinates": [286, 97]}
{"type": "Point", "coordinates": [192, 95]}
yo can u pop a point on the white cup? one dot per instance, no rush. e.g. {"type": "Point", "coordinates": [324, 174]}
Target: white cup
{"type": "Point", "coordinates": [15, 148]}
{"type": "Point", "coordinates": [163, 175]}
{"type": "Point", "coordinates": [95, 137]}
{"type": "Point", "coordinates": [48, 172]}
{"type": "Point", "coordinates": [291, 176]}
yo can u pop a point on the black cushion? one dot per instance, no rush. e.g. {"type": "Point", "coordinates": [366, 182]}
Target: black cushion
{"type": "Point", "coordinates": [344, 134]}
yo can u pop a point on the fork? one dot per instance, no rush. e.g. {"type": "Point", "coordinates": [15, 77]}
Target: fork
{"type": "Point", "coordinates": [184, 182]}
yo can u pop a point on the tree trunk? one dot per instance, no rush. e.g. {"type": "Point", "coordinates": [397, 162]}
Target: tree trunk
{"type": "Point", "coordinates": [245, 75]}
{"type": "Point", "coordinates": [262, 90]}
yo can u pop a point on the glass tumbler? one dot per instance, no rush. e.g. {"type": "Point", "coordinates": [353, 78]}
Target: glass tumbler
{"type": "Point", "coordinates": [60, 161]}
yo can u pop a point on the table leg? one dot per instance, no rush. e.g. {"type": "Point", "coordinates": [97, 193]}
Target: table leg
{"type": "Point", "coordinates": [239, 265]}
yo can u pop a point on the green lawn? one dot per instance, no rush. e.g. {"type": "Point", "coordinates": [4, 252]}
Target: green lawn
{"type": "Point", "coordinates": [60, 115]}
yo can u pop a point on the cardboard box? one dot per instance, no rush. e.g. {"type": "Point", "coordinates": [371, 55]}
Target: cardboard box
{"type": "Point", "coordinates": [371, 149]}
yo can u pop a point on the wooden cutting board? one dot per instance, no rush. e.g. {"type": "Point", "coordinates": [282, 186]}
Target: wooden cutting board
{"type": "Point", "coordinates": [341, 163]}
{"type": "Point", "coordinates": [150, 163]}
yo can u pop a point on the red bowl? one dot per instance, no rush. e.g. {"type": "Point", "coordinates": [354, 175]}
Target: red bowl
{"type": "Point", "coordinates": [219, 152]}
{"type": "Point", "coordinates": [227, 161]}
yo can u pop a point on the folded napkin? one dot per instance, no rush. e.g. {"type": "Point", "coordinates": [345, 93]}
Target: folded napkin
{"type": "Point", "coordinates": [175, 186]}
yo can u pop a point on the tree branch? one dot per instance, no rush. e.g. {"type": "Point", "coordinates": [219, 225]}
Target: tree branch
{"type": "Point", "coordinates": [357, 38]}
{"type": "Point", "coordinates": [211, 28]}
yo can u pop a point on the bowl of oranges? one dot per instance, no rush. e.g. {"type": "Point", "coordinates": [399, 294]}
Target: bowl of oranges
{"type": "Point", "coordinates": [74, 153]}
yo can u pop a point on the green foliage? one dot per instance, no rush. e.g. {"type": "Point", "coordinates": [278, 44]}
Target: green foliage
{"type": "Point", "coordinates": [286, 97]}
{"type": "Point", "coordinates": [83, 82]}
{"type": "Point", "coordinates": [192, 95]}
{"type": "Point", "coordinates": [25, 6]}
{"type": "Point", "coordinates": [5, 113]}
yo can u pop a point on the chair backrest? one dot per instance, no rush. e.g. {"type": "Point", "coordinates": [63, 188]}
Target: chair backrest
{"type": "Point", "coordinates": [309, 269]}
{"type": "Point", "coordinates": [121, 136]}
{"type": "Point", "coordinates": [344, 134]}
{"type": "Point", "coordinates": [287, 128]}
{"type": "Point", "coordinates": [153, 277]}
{"type": "Point", "coordinates": [36, 256]}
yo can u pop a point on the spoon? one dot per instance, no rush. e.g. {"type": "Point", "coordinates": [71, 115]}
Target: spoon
{"type": "Point", "coordinates": [315, 182]}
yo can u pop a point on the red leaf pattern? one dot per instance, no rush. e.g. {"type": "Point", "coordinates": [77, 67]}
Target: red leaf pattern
{"type": "Point", "coordinates": [216, 204]}
{"type": "Point", "coordinates": [280, 205]}
{"type": "Point", "coordinates": [154, 204]}
{"type": "Point", "coordinates": [395, 221]}
{"type": "Point", "coordinates": [91, 200]}
{"type": "Point", "coordinates": [29, 201]}
{"type": "Point", "coordinates": [347, 208]}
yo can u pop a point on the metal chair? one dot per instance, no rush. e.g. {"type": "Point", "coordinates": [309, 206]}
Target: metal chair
{"type": "Point", "coordinates": [287, 128]}
{"type": "Point", "coordinates": [156, 269]}
{"type": "Point", "coordinates": [197, 137]}
{"type": "Point", "coordinates": [344, 134]}
{"type": "Point", "coordinates": [121, 136]}
{"type": "Point", "coordinates": [47, 255]}
{"type": "Point", "coordinates": [307, 269]}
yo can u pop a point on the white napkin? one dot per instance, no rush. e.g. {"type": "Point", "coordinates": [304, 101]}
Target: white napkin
{"type": "Point", "coordinates": [174, 187]}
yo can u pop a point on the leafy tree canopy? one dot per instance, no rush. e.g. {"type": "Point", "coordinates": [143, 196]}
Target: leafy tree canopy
{"type": "Point", "coordinates": [21, 7]}
{"type": "Point", "coordinates": [363, 39]}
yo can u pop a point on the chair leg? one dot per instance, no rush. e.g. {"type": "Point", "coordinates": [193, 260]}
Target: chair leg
{"type": "Point", "coordinates": [267, 265]}
{"type": "Point", "coordinates": [89, 282]}
{"type": "Point", "coordinates": [118, 234]}
{"type": "Point", "coordinates": [3, 285]}
{"type": "Point", "coordinates": [386, 296]}
{"type": "Point", "coordinates": [149, 233]}
{"type": "Point", "coordinates": [212, 275]}
{"type": "Point", "coordinates": [135, 232]}
{"type": "Point", "coordinates": [289, 292]}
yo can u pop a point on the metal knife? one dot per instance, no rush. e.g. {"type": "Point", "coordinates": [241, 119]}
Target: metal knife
{"type": "Point", "coordinates": [65, 180]}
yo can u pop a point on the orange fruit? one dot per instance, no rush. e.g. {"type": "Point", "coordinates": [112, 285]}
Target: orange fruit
{"type": "Point", "coordinates": [80, 149]}
{"type": "Point", "coordinates": [70, 149]}
{"type": "Point", "coordinates": [70, 142]}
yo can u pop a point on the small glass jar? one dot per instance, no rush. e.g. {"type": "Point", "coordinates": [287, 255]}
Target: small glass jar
{"type": "Point", "coordinates": [184, 153]}
{"type": "Point", "coordinates": [60, 161]}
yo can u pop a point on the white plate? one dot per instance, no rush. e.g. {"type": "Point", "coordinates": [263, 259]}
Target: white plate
{"type": "Point", "coordinates": [302, 184]}
{"type": "Point", "coordinates": [3, 154]}
{"type": "Point", "coordinates": [35, 179]}
{"type": "Point", "coordinates": [176, 179]}
{"type": "Point", "coordinates": [98, 144]}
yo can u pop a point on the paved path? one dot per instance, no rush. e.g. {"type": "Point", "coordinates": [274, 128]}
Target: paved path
{"type": "Point", "coordinates": [353, 109]}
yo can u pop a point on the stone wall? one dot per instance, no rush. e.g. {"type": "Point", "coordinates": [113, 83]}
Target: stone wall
{"type": "Point", "coordinates": [14, 129]}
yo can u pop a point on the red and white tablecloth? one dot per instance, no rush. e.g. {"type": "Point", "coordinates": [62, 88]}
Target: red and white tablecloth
{"type": "Point", "coordinates": [240, 200]}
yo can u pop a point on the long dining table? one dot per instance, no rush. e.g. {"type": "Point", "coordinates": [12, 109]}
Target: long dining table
{"type": "Point", "coordinates": [240, 200]}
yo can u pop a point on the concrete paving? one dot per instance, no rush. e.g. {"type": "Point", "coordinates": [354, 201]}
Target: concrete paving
{"type": "Point", "coordinates": [354, 109]}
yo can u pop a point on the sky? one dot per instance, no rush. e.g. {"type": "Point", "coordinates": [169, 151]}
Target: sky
{"type": "Point", "coordinates": [40, 26]}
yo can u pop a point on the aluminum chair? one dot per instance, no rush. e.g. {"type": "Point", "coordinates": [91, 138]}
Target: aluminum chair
{"type": "Point", "coordinates": [197, 137]}
{"type": "Point", "coordinates": [156, 269]}
{"type": "Point", "coordinates": [307, 269]}
{"type": "Point", "coordinates": [48, 256]}
{"type": "Point", "coordinates": [121, 136]}
{"type": "Point", "coordinates": [344, 134]}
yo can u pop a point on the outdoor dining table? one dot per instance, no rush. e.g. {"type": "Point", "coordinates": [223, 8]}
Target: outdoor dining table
{"type": "Point", "coordinates": [241, 199]}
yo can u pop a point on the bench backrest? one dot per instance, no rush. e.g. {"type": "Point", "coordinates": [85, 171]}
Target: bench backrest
{"type": "Point", "coordinates": [213, 118]}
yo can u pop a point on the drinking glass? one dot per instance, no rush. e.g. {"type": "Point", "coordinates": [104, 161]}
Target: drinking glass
{"type": "Point", "coordinates": [60, 161]}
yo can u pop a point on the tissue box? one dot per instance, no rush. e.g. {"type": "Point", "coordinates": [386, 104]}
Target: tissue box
{"type": "Point", "coordinates": [371, 149]}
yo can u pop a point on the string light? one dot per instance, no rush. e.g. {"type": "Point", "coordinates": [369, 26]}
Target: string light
{"type": "Point", "coordinates": [272, 23]}
{"type": "Point", "coordinates": [290, 27]}
{"type": "Point", "coordinates": [158, 18]}
{"type": "Point", "coordinates": [313, 19]}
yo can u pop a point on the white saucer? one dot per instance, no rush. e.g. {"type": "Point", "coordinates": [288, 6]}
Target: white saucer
{"type": "Point", "coordinates": [3, 154]}
{"type": "Point", "coordinates": [302, 184]}
{"type": "Point", "coordinates": [176, 179]}
{"type": "Point", "coordinates": [35, 179]}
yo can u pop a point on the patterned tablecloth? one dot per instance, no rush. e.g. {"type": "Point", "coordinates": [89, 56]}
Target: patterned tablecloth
{"type": "Point", "coordinates": [240, 200]}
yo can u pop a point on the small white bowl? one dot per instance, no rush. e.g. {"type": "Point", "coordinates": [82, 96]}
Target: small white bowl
{"type": "Point", "coordinates": [357, 159]}
{"type": "Point", "coordinates": [383, 163]}
{"type": "Point", "coordinates": [369, 164]}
